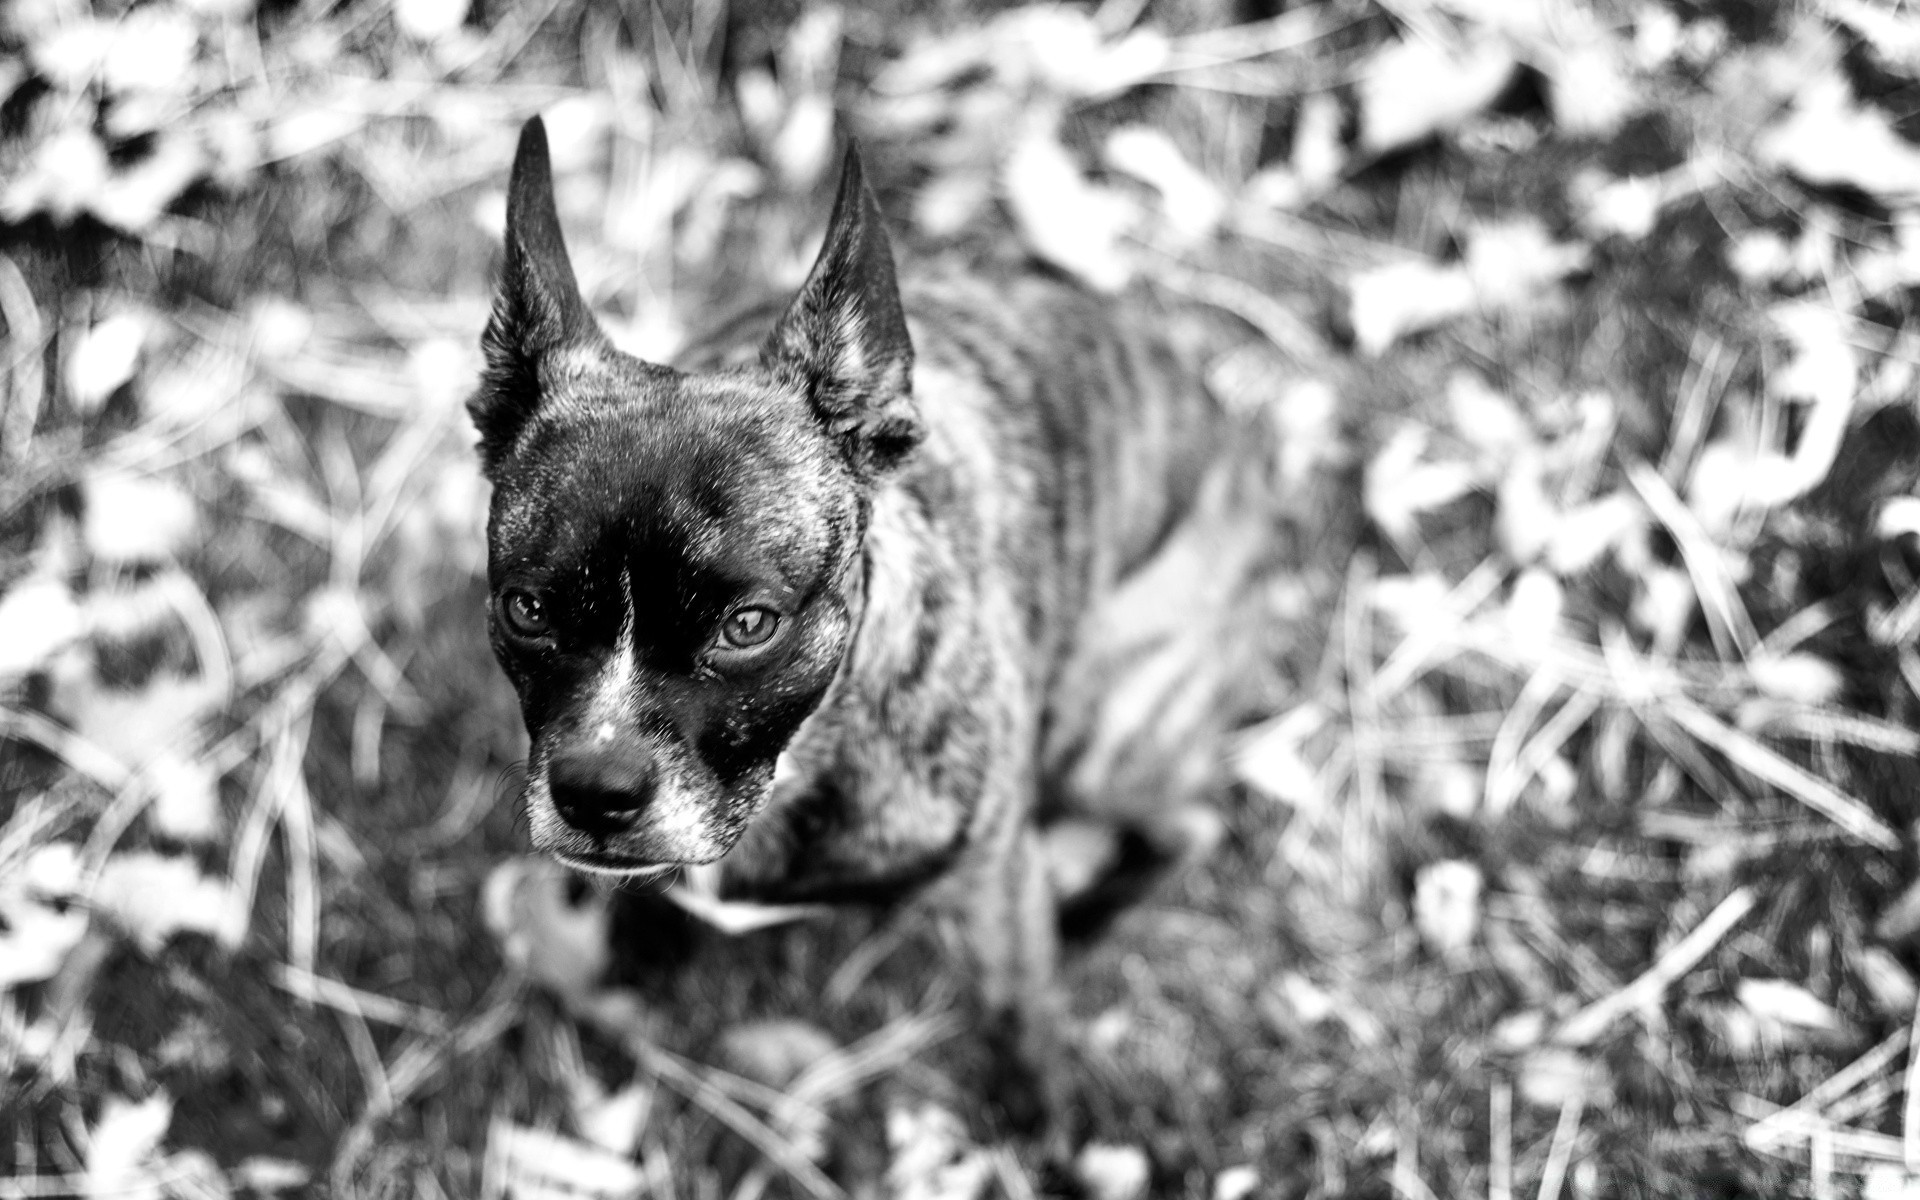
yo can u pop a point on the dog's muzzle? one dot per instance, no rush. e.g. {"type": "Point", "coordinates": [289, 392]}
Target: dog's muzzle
{"type": "Point", "coordinates": [601, 790]}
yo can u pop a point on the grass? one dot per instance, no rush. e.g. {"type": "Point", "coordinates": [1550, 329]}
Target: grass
{"type": "Point", "coordinates": [1568, 840]}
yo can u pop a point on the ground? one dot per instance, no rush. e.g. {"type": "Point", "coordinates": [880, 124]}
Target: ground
{"type": "Point", "coordinates": [1567, 834]}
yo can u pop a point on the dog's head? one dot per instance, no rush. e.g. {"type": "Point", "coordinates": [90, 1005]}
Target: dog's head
{"type": "Point", "coordinates": [673, 557]}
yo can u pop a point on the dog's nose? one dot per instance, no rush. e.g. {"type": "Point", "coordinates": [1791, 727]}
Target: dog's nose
{"type": "Point", "coordinates": [600, 790]}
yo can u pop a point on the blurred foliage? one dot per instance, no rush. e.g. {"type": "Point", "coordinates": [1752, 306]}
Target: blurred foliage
{"type": "Point", "coordinates": [1577, 852]}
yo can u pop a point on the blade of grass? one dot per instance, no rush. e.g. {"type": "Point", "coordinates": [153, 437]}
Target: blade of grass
{"type": "Point", "coordinates": [1849, 813]}
{"type": "Point", "coordinates": [1586, 1026]}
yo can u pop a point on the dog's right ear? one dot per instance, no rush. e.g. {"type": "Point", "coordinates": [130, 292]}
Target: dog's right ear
{"type": "Point", "coordinates": [539, 310]}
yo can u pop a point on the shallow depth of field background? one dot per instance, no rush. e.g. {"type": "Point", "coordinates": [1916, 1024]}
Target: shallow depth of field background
{"type": "Point", "coordinates": [1573, 853]}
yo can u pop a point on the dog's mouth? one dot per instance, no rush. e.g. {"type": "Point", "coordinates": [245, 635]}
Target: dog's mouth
{"type": "Point", "coordinates": [615, 866]}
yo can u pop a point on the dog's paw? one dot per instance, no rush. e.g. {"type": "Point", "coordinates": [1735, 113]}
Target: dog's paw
{"type": "Point", "coordinates": [1099, 870]}
{"type": "Point", "coordinates": [1027, 1081]}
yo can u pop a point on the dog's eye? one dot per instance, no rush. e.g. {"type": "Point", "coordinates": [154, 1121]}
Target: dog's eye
{"type": "Point", "coordinates": [749, 627]}
{"type": "Point", "coordinates": [525, 613]}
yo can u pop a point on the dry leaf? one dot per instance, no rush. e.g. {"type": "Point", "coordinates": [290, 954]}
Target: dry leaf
{"type": "Point", "coordinates": [1446, 906]}
{"type": "Point", "coordinates": [1386, 303]}
{"type": "Point", "coordinates": [39, 922]}
{"type": "Point", "coordinates": [1192, 204]}
{"type": "Point", "coordinates": [122, 1147]}
{"type": "Point", "coordinates": [186, 800]}
{"type": "Point", "coordinates": [1078, 853]}
{"type": "Point", "coordinates": [1787, 1010]}
{"type": "Point", "coordinates": [614, 1123]}
{"type": "Point", "coordinates": [1416, 88]}
{"type": "Point", "coordinates": [1067, 219]}
{"type": "Point", "coordinates": [1401, 485]}
{"type": "Point", "coordinates": [1236, 1183]}
{"type": "Point", "coordinates": [1802, 678]}
{"type": "Point", "coordinates": [154, 896]}
{"type": "Point", "coordinates": [534, 1164]}
{"type": "Point", "coordinates": [136, 518]}
{"type": "Point", "coordinates": [932, 1158]}
{"type": "Point", "coordinates": [66, 175]}
{"type": "Point", "coordinates": [430, 20]}
{"type": "Point", "coordinates": [1588, 88]}
{"type": "Point", "coordinates": [1830, 140]}
{"type": "Point", "coordinates": [560, 943]}
{"type": "Point", "coordinates": [1511, 262]}
{"type": "Point", "coordinates": [1533, 611]}
{"type": "Point", "coordinates": [1891, 986]}
{"type": "Point", "coordinates": [1550, 1076]}
{"type": "Point", "coordinates": [38, 619]}
{"type": "Point", "coordinates": [774, 1052]}
{"type": "Point", "coordinates": [104, 358]}
{"type": "Point", "coordinates": [1110, 1172]}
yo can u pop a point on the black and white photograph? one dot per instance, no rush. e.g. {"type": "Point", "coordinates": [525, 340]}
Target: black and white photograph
{"type": "Point", "coordinates": [959, 599]}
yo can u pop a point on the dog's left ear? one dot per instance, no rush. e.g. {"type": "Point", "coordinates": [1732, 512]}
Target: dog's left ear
{"type": "Point", "coordinates": [845, 338]}
{"type": "Point", "coordinates": [538, 311]}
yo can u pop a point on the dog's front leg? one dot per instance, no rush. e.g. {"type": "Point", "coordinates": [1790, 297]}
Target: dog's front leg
{"type": "Point", "coordinates": [1007, 913]}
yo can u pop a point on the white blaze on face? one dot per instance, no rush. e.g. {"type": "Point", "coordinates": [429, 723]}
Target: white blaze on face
{"type": "Point", "coordinates": [611, 704]}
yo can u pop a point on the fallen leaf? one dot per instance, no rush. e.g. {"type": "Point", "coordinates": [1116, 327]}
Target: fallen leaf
{"type": "Point", "coordinates": [1802, 678]}
{"type": "Point", "coordinates": [1487, 419]}
{"type": "Point", "coordinates": [138, 726]}
{"type": "Point", "coordinates": [1236, 1183]}
{"type": "Point", "coordinates": [1550, 1076]}
{"type": "Point", "coordinates": [1533, 611]}
{"type": "Point", "coordinates": [1402, 484]}
{"type": "Point", "coordinates": [1388, 302]}
{"type": "Point", "coordinates": [1588, 88]}
{"type": "Point", "coordinates": [1627, 208]}
{"type": "Point", "coordinates": [136, 518]}
{"type": "Point", "coordinates": [932, 1158]}
{"type": "Point", "coordinates": [151, 48]}
{"type": "Point", "coordinates": [1078, 853]}
{"type": "Point", "coordinates": [153, 897]}
{"type": "Point", "coordinates": [39, 921]}
{"type": "Point", "coordinates": [1067, 219]}
{"type": "Point", "coordinates": [122, 1147]}
{"type": "Point", "coordinates": [104, 358]}
{"type": "Point", "coordinates": [774, 1052]}
{"type": "Point", "coordinates": [263, 1174]}
{"type": "Point", "coordinates": [557, 941]}
{"type": "Point", "coordinates": [1413, 89]}
{"type": "Point", "coordinates": [1587, 532]}
{"type": "Point", "coordinates": [1887, 981]}
{"type": "Point", "coordinates": [430, 20]}
{"type": "Point", "coordinates": [1527, 516]}
{"type": "Point", "coordinates": [614, 1122]}
{"type": "Point", "coordinates": [38, 619]}
{"type": "Point", "coordinates": [1193, 205]}
{"type": "Point", "coordinates": [1788, 1009]}
{"type": "Point", "coordinates": [540, 1165]}
{"type": "Point", "coordinates": [186, 799]}
{"type": "Point", "coordinates": [1446, 906]}
{"type": "Point", "coordinates": [66, 174]}
{"type": "Point", "coordinates": [1884, 1181]}
{"type": "Point", "coordinates": [1829, 140]}
{"type": "Point", "coordinates": [1112, 1172]}
{"type": "Point", "coordinates": [1511, 262]}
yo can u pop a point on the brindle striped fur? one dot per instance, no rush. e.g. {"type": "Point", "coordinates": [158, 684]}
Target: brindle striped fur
{"type": "Point", "coordinates": [949, 552]}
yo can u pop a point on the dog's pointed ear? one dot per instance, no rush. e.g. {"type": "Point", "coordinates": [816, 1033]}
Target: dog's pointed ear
{"type": "Point", "coordinates": [844, 337]}
{"type": "Point", "coordinates": [538, 310]}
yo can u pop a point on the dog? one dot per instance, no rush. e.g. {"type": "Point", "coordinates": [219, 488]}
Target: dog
{"type": "Point", "coordinates": [807, 608]}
